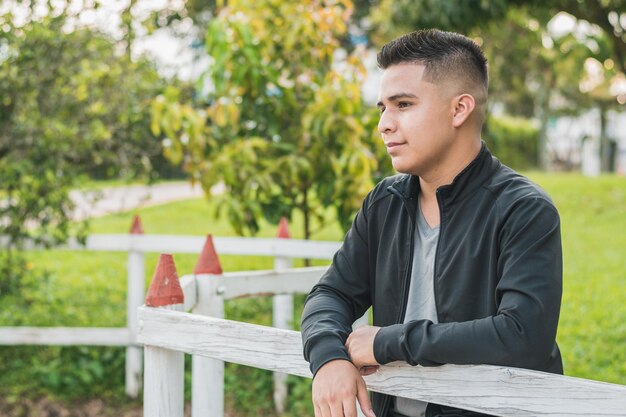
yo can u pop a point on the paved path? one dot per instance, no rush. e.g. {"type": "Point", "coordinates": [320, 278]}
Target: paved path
{"type": "Point", "coordinates": [124, 198]}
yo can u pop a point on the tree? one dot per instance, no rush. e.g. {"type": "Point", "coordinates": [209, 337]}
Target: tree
{"type": "Point", "coordinates": [284, 127]}
{"type": "Point", "coordinates": [608, 15]}
{"type": "Point", "coordinates": [465, 15]}
{"type": "Point", "coordinates": [70, 105]}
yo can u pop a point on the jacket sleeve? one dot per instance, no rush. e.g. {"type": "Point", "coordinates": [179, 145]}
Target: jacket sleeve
{"type": "Point", "coordinates": [522, 333]}
{"type": "Point", "coordinates": [341, 297]}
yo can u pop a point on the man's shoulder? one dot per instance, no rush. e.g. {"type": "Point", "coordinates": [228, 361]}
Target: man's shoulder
{"type": "Point", "coordinates": [509, 187]}
{"type": "Point", "coordinates": [382, 189]}
{"type": "Point", "coordinates": [397, 180]}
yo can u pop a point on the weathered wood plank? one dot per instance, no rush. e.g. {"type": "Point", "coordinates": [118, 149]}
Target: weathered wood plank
{"type": "Point", "coordinates": [489, 389]}
{"type": "Point", "coordinates": [65, 336]}
{"type": "Point", "coordinates": [164, 378]}
{"type": "Point", "coordinates": [135, 294]}
{"type": "Point", "coordinates": [207, 374]}
{"type": "Point", "coordinates": [271, 282]}
{"type": "Point", "coordinates": [282, 318]}
{"type": "Point", "coordinates": [190, 291]}
{"type": "Point", "coordinates": [291, 248]}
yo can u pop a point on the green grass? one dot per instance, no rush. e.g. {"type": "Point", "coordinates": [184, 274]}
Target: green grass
{"type": "Point", "coordinates": [592, 330]}
{"type": "Point", "coordinates": [88, 289]}
{"type": "Point", "coordinates": [198, 217]}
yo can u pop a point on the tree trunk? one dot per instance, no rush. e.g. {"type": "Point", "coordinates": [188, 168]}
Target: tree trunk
{"type": "Point", "coordinates": [307, 218]}
{"type": "Point", "coordinates": [607, 151]}
{"type": "Point", "coordinates": [543, 114]}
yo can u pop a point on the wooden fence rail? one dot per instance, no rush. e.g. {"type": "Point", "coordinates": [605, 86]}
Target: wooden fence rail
{"type": "Point", "coordinates": [499, 391]}
{"type": "Point", "coordinates": [273, 247]}
{"type": "Point", "coordinates": [64, 336]}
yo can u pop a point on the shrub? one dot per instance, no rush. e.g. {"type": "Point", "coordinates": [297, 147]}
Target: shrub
{"type": "Point", "coordinates": [514, 140]}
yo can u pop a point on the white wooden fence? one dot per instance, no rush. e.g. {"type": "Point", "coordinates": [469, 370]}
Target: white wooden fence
{"type": "Point", "coordinates": [136, 245]}
{"type": "Point", "coordinates": [168, 332]}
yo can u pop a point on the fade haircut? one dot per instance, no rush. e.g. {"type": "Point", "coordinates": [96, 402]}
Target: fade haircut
{"type": "Point", "coordinates": [445, 56]}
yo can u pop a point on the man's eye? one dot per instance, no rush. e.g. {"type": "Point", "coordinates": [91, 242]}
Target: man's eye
{"type": "Point", "coordinates": [381, 110]}
{"type": "Point", "coordinates": [403, 104]}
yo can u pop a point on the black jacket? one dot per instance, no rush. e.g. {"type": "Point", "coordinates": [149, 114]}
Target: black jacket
{"type": "Point", "coordinates": [498, 276]}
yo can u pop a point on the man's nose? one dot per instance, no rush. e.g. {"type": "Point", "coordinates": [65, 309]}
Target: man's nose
{"type": "Point", "coordinates": [386, 124]}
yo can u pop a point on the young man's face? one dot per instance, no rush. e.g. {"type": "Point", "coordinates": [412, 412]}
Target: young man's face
{"type": "Point", "coordinates": [415, 121]}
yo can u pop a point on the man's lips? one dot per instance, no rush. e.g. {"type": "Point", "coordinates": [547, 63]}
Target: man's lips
{"type": "Point", "coordinates": [393, 144]}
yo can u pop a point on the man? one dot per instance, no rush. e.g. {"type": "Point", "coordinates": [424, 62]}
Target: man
{"type": "Point", "coordinates": [458, 255]}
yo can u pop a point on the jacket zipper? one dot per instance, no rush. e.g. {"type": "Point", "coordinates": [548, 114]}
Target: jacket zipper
{"type": "Point", "coordinates": [407, 278]}
{"type": "Point", "coordinates": [441, 224]}
{"type": "Point", "coordinates": [411, 250]}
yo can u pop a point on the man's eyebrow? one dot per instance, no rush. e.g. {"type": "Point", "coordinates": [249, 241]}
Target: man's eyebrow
{"type": "Point", "coordinates": [397, 97]}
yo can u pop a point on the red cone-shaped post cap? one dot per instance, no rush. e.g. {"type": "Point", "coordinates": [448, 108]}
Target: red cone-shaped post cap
{"type": "Point", "coordinates": [208, 262]}
{"type": "Point", "coordinates": [283, 230]}
{"type": "Point", "coordinates": [136, 228]}
{"type": "Point", "coordinates": [165, 288]}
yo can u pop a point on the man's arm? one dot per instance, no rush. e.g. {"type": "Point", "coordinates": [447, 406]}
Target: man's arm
{"type": "Point", "coordinates": [341, 296]}
{"type": "Point", "coordinates": [523, 332]}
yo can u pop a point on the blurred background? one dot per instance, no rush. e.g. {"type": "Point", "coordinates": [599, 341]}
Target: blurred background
{"type": "Point", "coordinates": [247, 111]}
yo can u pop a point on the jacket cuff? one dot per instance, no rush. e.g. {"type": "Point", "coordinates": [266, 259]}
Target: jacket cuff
{"type": "Point", "coordinates": [387, 344]}
{"type": "Point", "coordinates": [325, 350]}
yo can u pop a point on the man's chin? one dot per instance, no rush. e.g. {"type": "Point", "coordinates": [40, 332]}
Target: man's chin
{"type": "Point", "coordinates": [402, 168]}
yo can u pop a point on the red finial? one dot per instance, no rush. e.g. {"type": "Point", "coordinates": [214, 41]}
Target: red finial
{"type": "Point", "coordinates": [208, 262]}
{"type": "Point", "coordinates": [136, 228]}
{"type": "Point", "coordinates": [283, 230]}
{"type": "Point", "coordinates": [165, 288]}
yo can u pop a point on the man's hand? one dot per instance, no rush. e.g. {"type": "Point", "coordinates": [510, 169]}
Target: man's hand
{"type": "Point", "coordinates": [360, 346]}
{"type": "Point", "coordinates": [336, 387]}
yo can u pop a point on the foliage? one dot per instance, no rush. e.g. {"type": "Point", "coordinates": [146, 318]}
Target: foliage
{"type": "Point", "coordinates": [513, 140]}
{"type": "Point", "coordinates": [391, 18]}
{"type": "Point", "coordinates": [174, 14]}
{"type": "Point", "coordinates": [284, 127]}
{"type": "Point", "coordinates": [70, 104]}
{"type": "Point", "coordinates": [465, 16]}
{"type": "Point", "coordinates": [607, 15]}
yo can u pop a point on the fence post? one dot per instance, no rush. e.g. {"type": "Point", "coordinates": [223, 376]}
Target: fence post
{"type": "Point", "coordinates": [164, 369]}
{"type": "Point", "coordinates": [207, 375]}
{"type": "Point", "coordinates": [135, 283]}
{"type": "Point", "coordinates": [282, 318]}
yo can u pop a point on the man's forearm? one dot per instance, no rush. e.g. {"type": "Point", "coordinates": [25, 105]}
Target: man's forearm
{"type": "Point", "coordinates": [326, 323]}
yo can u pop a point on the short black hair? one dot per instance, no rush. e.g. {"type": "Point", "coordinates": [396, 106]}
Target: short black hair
{"type": "Point", "coordinates": [444, 54]}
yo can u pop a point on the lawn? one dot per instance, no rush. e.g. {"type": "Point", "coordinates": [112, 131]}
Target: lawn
{"type": "Point", "coordinates": [88, 289]}
{"type": "Point", "coordinates": [592, 330]}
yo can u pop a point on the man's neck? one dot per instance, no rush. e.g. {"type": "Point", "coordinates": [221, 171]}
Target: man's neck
{"type": "Point", "coordinates": [444, 175]}
{"type": "Point", "coordinates": [446, 172]}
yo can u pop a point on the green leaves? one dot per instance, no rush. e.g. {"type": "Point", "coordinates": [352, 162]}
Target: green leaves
{"type": "Point", "coordinates": [71, 105]}
{"type": "Point", "coordinates": [282, 128]}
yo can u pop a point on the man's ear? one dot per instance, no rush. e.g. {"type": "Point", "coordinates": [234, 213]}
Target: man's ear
{"type": "Point", "coordinates": [463, 107]}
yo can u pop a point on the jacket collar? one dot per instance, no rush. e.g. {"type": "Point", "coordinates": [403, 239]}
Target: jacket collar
{"type": "Point", "coordinates": [464, 184]}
